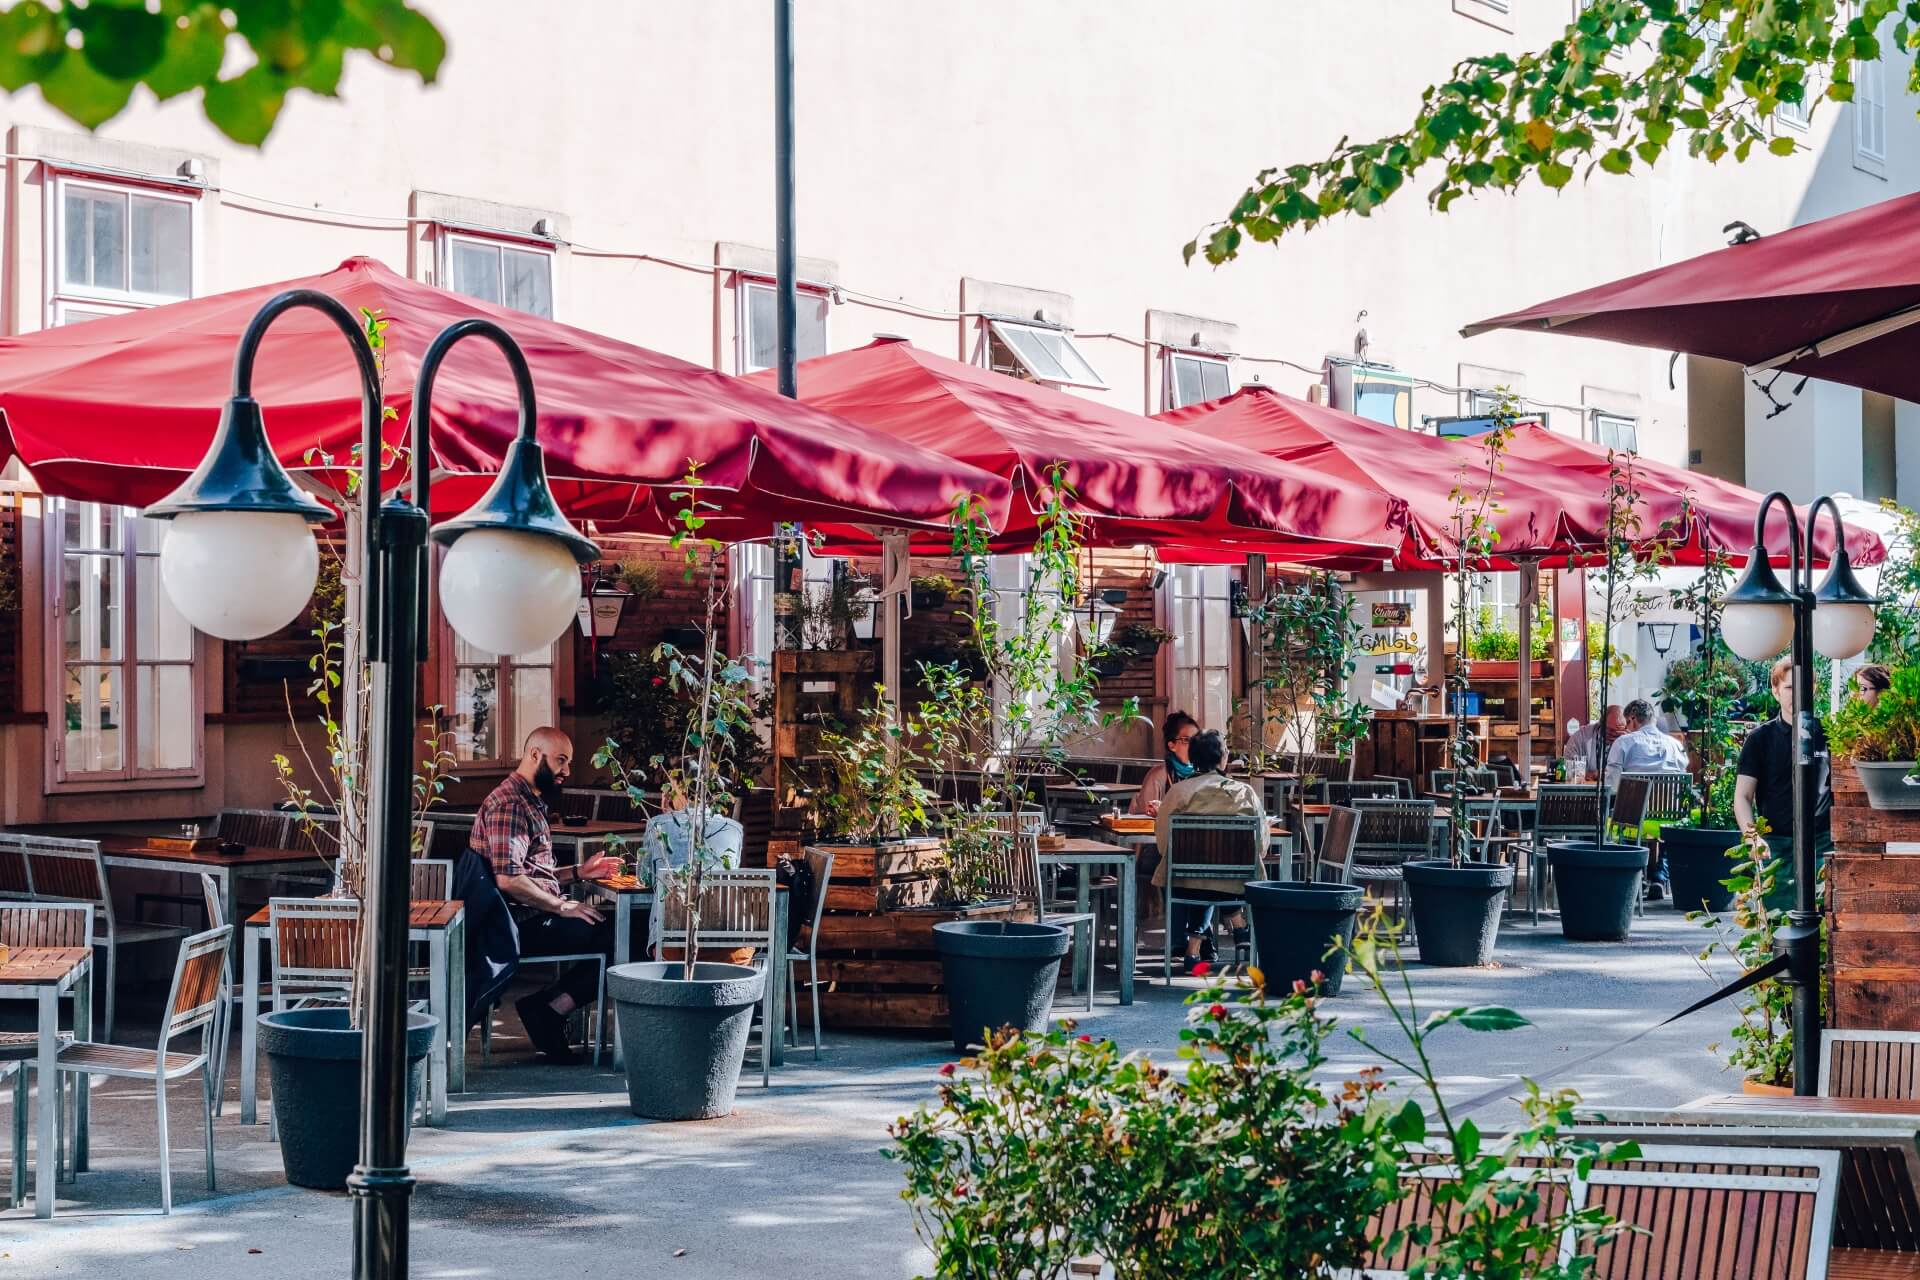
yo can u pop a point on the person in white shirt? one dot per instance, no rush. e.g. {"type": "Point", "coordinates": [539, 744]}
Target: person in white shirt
{"type": "Point", "coordinates": [1644, 747]}
{"type": "Point", "coordinates": [1583, 744]}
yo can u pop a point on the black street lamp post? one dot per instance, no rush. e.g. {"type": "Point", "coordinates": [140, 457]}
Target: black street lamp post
{"type": "Point", "coordinates": [1762, 616]}
{"type": "Point", "coordinates": [511, 578]}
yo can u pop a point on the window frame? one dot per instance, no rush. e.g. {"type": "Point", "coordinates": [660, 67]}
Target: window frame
{"type": "Point", "coordinates": [59, 777]}
{"type": "Point", "coordinates": [61, 296]}
{"type": "Point", "coordinates": [1864, 158]}
{"type": "Point", "coordinates": [753, 596]}
{"type": "Point", "coordinates": [744, 285]}
{"type": "Point", "coordinates": [1601, 417]}
{"type": "Point", "coordinates": [1215, 608]}
{"type": "Point", "coordinates": [449, 236]}
{"type": "Point", "coordinates": [1169, 373]}
{"type": "Point", "coordinates": [993, 329]}
{"type": "Point", "coordinates": [507, 735]}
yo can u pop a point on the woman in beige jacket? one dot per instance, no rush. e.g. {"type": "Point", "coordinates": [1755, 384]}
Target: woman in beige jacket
{"type": "Point", "coordinates": [1208, 791]}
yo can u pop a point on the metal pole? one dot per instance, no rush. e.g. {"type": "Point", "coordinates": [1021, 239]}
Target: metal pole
{"type": "Point", "coordinates": [786, 301]}
{"type": "Point", "coordinates": [1799, 941]}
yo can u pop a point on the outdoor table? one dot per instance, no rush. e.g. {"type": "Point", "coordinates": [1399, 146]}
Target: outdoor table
{"type": "Point", "coordinates": [627, 892]}
{"type": "Point", "coordinates": [227, 869]}
{"type": "Point", "coordinates": [443, 927]}
{"type": "Point", "coordinates": [1095, 790]}
{"type": "Point", "coordinates": [581, 837]}
{"type": "Point", "coordinates": [1777, 1108]}
{"type": "Point", "coordinates": [1088, 855]}
{"type": "Point", "coordinates": [43, 975]}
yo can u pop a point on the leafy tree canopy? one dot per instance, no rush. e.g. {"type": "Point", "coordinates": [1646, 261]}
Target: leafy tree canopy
{"type": "Point", "coordinates": [244, 55]}
{"type": "Point", "coordinates": [1628, 81]}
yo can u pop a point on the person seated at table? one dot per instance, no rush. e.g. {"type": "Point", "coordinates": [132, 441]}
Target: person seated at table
{"type": "Point", "coordinates": [1646, 748]}
{"type": "Point", "coordinates": [668, 844]}
{"type": "Point", "coordinates": [1583, 744]}
{"type": "Point", "coordinates": [1208, 791]}
{"type": "Point", "coordinates": [1176, 733]}
{"type": "Point", "coordinates": [511, 831]}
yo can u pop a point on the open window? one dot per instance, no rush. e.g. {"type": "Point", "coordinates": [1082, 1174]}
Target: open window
{"type": "Point", "coordinates": [1034, 353]}
{"type": "Point", "coordinates": [509, 273]}
{"type": "Point", "coordinates": [1193, 377]}
{"type": "Point", "coordinates": [755, 326]}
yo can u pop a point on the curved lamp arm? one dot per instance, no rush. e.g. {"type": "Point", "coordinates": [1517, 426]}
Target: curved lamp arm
{"type": "Point", "coordinates": [1839, 529]}
{"type": "Point", "coordinates": [423, 393]}
{"type": "Point", "coordinates": [1798, 563]}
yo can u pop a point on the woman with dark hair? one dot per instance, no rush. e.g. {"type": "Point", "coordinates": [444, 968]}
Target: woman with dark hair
{"type": "Point", "coordinates": [1176, 732]}
{"type": "Point", "coordinates": [1209, 791]}
{"type": "Point", "coordinates": [1870, 681]}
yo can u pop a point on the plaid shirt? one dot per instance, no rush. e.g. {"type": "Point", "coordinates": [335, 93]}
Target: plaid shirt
{"type": "Point", "coordinates": [512, 834]}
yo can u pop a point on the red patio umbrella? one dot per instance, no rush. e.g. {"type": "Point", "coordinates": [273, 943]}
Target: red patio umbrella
{"type": "Point", "coordinates": [1832, 299]}
{"type": "Point", "coordinates": [1136, 480]}
{"type": "Point", "coordinates": [119, 410]}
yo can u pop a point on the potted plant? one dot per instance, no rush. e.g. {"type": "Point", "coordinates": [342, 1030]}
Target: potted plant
{"type": "Point", "coordinates": [1311, 640]}
{"type": "Point", "coordinates": [1457, 900]}
{"type": "Point", "coordinates": [1702, 690]}
{"type": "Point", "coordinates": [1140, 639]}
{"type": "Point", "coordinates": [1762, 1040]}
{"type": "Point", "coordinates": [1599, 879]}
{"type": "Point", "coordinates": [930, 590]}
{"type": "Point", "coordinates": [1882, 741]}
{"type": "Point", "coordinates": [684, 1023]}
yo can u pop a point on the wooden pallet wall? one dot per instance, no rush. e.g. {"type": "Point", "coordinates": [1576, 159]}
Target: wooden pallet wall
{"type": "Point", "coordinates": [1874, 892]}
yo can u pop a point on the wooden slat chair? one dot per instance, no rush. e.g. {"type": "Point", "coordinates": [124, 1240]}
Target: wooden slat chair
{"type": "Point", "coordinates": [432, 879]}
{"type": "Point", "coordinates": [1561, 811]}
{"type": "Point", "coordinates": [318, 832]}
{"type": "Point", "coordinates": [736, 912]}
{"type": "Point", "coordinates": [193, 1003]}
{"type": "Point", "coordinates": [254, 828]}
{"type": "Point", "coordinates": [1878, 1065]}
{"type": "Point", "coordinates": [13, 867]}
{"type": "Point", "coordinates": [450, 839]}
{"type": "Point", "coordinates": [1335, 862]}
{"type": "Point", "coordinates": [1131, 770]}
{"type": "Point", "coordinates": [1223, 847]}
{"type": "Point", "coordinates": [1013, 871]}
{"type": "Point", "coordinates": [1392, 833]}
{"type": "Point", "coordinates": [1627, 819]}
{"type": "Point", "coordinates": [73, 871]}
{"type": "Point", "coordinates": [1404, 784]}
{"type": "Point", "coordinates": [35, 925]}
{"type": "Point", "coordinates": [821, 862]}
{"type": "Point", "coordinates": [1670, 796]}
{"type": "Point", "coordinates": [1367, 789]}
{"type": "Point", "coordinates": [236, 995]}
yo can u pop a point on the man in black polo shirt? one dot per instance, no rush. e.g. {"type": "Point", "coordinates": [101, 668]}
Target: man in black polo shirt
{"type": "Point", "coordinates": [1764, 788]}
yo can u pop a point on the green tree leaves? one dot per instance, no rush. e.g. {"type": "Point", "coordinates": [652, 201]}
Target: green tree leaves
{"type": "Point", "coordinates": [88, 60]}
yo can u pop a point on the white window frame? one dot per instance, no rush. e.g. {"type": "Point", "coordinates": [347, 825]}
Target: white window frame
{"type": "Point", "coordinates": [1619, 421]}
{"type": "Point", "coordinates": [1169, 372]}
{"type": "Point", "coordinates": [994, 330]}
{"type": "Point", "coordinates": [449, 236]}
{"type": "Point", "coordinates": [1870, 117]}
{"type": "Point", "coordinates": [1212, 585]}
{"type": "Point", "coordinates": [507, 734]}
{"type": "Point", "coordinates": [744, 286]}
{"type": "Point", "coordinates": [70, 303]}
{"type": "Point", "coordinates": [753, 586]}
{"type": "Point", "coordinates": [129, 775]}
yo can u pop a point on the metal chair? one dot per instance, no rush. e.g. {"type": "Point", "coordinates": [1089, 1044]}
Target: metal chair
{"type": "Point", "coordinates": [13, 868]}
{"type": "Point", "coordinates": [72, 871]}
{"type": "Point", "coordinates": [1670, 796]}
{"type": "Point", "coordinates": [254, 828]}
{"type": "Point", "coordinates": [1391, 834]}
{"type": "Point", "coordinates": [1626, 820]}
{"type": "Point", "coordinates": [1882, 1066]}
{"type": "Point", "coordinates": [1475, 781]}
{"type": "Point", "coordinates": [236, 994]}
{"type": "Point", "coordinates": [1227, 847]}
{"type": "Point", "coordinates": [1562, 811]}
{"type": "Point", "coordinates": [1405, 785]}
{"type": "Point", "coordinates": [432, 879]}
{"type": "Point", "coordinates": [193, 1004]}
{"type": "Point", "coordinates": [736, 910]}
{"type": "Point", "coordinates": [1369, 789]}
{"type": "Point", "coordinates": [1013, 871]}
{"type": "Point", "coordinates": [620, 806]}
{"type": "Point", "coordinates": [1337, 842]}
{"type": "Point", "coordinates": [821, 861]}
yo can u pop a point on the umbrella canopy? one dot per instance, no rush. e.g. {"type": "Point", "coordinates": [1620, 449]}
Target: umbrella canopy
{"type": "Point", "coordinates": [1832, 299]}
{"type": "Point", "coordinates": [1136, 480]}
{"type": "Point", "coordinates": [119, 410]}
{"type": "Point", "coordinates": [1537, 516]}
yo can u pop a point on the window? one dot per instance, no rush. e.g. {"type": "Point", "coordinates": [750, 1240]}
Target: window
{"type": "Point", "coordinates": [1615, 431]}
{"type": "Point", "coordinates": [1193, 377]}
{"type": "Point", "coordinates": [1016, 588]}
{"type": "Point", "coordinates": [1203, 643]}
{"type": "Point", "coordinates": [757, 324]}
{"type": "Point", "coordinates": [511, 274]}
{"type": "Point", "coordinates": [497, 701]}
{"type": "Point", "coordinates": [1870, 117]}
{"type": "Point", "coordinates": [118, 249]}
{"type": "Point", "coordinates": [1035, 353]}
{"type": "Point", "coordinates": [121, 658]}
{"type": "Point", "coordinates": [755, 569]}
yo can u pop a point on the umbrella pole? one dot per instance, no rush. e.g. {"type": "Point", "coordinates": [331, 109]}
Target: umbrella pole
{"type": "Point", "coordinates": [1256, 664]}
{"type": "Point", "coordinates": [1529, 593]}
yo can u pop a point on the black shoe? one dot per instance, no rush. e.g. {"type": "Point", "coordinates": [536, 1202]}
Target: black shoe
{"type": "Point", "coordinates": [1207, 949]}
{"type": "Point", "coordinates": [1243, 937]}
{"type": "Point", "coordinates": [1656, 892]}
{"type": "Point", "coordinates": [547, 1029]}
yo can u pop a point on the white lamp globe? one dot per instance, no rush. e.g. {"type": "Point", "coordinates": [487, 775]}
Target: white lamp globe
{"type": "Point", "coordinates": [1757, 631]}
{"type": "Point", "coordinates": [509, 592]}
{"type": "Point", "coordinates": [1842, 630]}
{"type": "Point", "coordinates": [239, 575]}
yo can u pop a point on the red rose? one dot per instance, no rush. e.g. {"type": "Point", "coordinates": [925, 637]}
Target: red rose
{"type": "Point", "coordinates": [1201, 970]}
{"type": "Point", "coordinates": [1217, 1010]}
{"type": "Point", "coordinates": [658, 680]}
{"type": "Point", "coordinates": [960, 1188]}
{"type": "Point", "coordinates": [947, 1070]}
{"type": "Point", "coordinates": [1299, 987]}
{"type": "Point", "coordinates": [1086, 1039]}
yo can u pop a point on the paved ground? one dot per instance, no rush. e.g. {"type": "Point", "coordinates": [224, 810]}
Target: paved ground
{"type": "Point", "coordinates": [542, 1172]}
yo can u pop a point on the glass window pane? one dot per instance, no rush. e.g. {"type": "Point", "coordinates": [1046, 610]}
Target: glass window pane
{"type": "Point", "coordinates": [68, 313]}
{"type": "Point", "coordinates": [532, 699]}
{"type": "Point", "coordinates": [1214, 381]}
{"type": "Point", "coordinates": [1216, 699]}
{"type": "Point", "coordinates": [811, 338]}
{"type": "Point", "coordinates": [528, 282]}
{"type": "Point", "coordinates": [1186, 382]}
{"type": "Point", "coordinates": [762, 343]}
{"type": "Point", "coordinates": [476, 704]}
{"type": "Point", "coordinates": [90, 608]}
{"type": "Point", "coordinates": [1215, 631]}
{"type": "Point", "coordinates": [77, 238]}
{"type": "Point", "coordinates": [166, 717]}
{"type": "Point", "coordinates": [89, 526]}
{"type": "Point", "coordinates": [92, 742]}
{"type": "Point", "coordinates": [162, 257]}
{"type": "Point", "coordinates": [148, 535]}
{"type": "Point", "coordinates": [1061, 349]}
{"type": "Point", "coordinates": [476, 270]}
{"type": "Point", "coordinates": [108, 241]}
{"type": "Point", "coordinates": [163, 633]}
{"type": "Point", "coordinates": [1026, 344]}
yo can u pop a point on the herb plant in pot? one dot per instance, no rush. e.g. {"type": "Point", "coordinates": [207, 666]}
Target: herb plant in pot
{"type": "Point", "coordinates": [1457, 900]}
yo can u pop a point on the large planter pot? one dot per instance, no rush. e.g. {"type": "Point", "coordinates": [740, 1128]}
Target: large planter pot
{"type": "Point", "coordinates": [1598, 885]}
{"type": "Point", "coordinates": [1456, 910]}
{"type": "Point", "coordinates": [1885, 781]}
{"type": "Point", "coordinates": [1696, 865]}
{"type": "Point", "coordinates": [684, 1039]}
{"type": "Point", "coordinates": [1295, 926]}
{"type": "Point", "coordinates": [998, 973]}
{"type": "Point", "coordinates": [1753, 1088]}
{"type": "Point", "coordinates": [313, 1059]}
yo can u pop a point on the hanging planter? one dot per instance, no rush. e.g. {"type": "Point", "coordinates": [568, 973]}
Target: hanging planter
{"type": "Point", "coordinates": [931, 591]}
{"type": "Point", "coordinates": [1108, 665]}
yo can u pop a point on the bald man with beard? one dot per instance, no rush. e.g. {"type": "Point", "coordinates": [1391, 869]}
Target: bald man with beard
{"type": "Point", "coordinates": [511, 831]}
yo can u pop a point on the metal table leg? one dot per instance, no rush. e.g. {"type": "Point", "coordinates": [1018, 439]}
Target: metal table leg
{"type": "Point", "coordinates": [457, 1003]}
{"type": "Point", "coordinates": [249, 1010]}
{"type": "Point", "coordinates": [437, 1006]}
{"type": "Point", "coordinates": [1129, 906]}
{"type": "Point", "coordinates": [82, 1030]}
{"type": "Point", "coordinates": [46, 1160]}
{"type": "Point", "coordinates": [622, 954]}
{"type": "Point", "coordinates": [775, 1033]}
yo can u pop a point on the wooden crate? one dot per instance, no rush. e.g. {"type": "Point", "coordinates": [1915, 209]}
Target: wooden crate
{"type": "Point", "coordinates": [881, 967]}
{"type": "Point", "coordinates": [1874, 897]}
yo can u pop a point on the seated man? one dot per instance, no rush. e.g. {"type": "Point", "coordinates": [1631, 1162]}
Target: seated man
{"type": "Point", "coordinates": [1583, 744]}
{"type": "Point", "coordinates": [1646, 748]}
{"type": "Point", "coordinates": [1208, 791]}
{"type": "Point", "coordinates": [511, 832]}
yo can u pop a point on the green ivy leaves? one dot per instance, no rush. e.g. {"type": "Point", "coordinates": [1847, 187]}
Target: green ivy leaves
{"type": "Point", "coordinates": [87, 61]}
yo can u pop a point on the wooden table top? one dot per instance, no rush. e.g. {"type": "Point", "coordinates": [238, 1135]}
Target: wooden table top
{"type": "Point", "coordinates": [422, 915]}
{"type": "Point", "coordinates": [1872, 1264]}
{"type": "Point", "coordinates": [1093, 788]}
{"type": "Point", "coordinates": [1786, 1107]}
{"type": "Point", "coordinates": [1080, 844]}
{"type": "Point", "coordinates": [621, 884]}
{"type": "Point", "coordinates": [41, 966]}
{"type": "Point", "coordinates": [137, 847]}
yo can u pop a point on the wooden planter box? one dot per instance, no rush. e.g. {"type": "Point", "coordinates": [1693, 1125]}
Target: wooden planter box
{"type": "Point", "coordinates": [1874, 899]}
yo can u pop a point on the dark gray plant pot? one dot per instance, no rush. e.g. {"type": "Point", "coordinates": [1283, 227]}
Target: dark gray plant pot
{"type": "Point", "coordinates": [1697, 863]}
{"type": "Point", "coordinates": [313, 1058]}
{"type": "Point", "coordinates": [1456, 910]}
{"type": "Point", "coordinates": [1598, 885]}
{"type": "Point", "coordinates": [1297, 925]}
{"type": "Point", "coordinates": [683, 1040]}
{"type": "Point", "coordinates": [998, 974]}
{"type": "Point", "coordinates": [1886, 783]}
